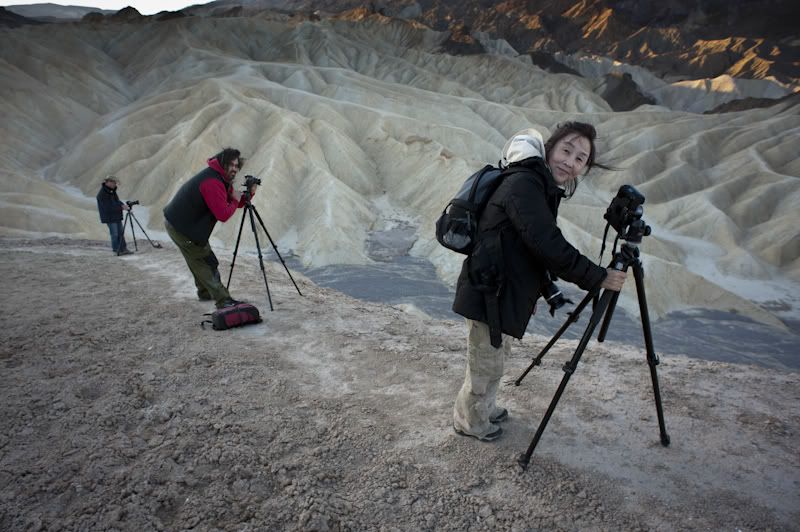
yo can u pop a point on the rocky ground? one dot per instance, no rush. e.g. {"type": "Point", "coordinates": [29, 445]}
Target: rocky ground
{"type": "Point", "coordinates": [120, 413]}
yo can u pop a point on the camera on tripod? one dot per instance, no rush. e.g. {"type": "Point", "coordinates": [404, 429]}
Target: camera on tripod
{"type": "Point", "coordinates": [624, 214]}
{"type": "Point", "coordinates": [250, 180]}
{"type": "Point", "coordinates": [250, 210]}
{"type": "Point", "coordinates": [131, 218]}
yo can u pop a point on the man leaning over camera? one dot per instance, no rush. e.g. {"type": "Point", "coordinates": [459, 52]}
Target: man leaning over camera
{"type": "Point", "coordinates": [193, 212]}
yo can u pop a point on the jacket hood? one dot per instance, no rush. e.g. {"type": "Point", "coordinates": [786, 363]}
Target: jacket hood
{"type": "Point", "coordinates": [523, 145]}
{"type": "Point", "coordinates": [213, 163]}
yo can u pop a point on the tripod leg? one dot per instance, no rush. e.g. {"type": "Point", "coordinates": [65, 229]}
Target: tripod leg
{"type": "Point", "coordinates": [135, 219]}
{"type": "Point", "coordinates": [133, 230]}
{"type": "Point", "coordinates": [573, 317]}
{"type": "Point", "coordinates": [601, 336]}
{"type": "Point", "coordinates": [122, 235]}
{"type": "Point", "coordinates": [251, 209]}
{"type": "Point", "coordinates": [275, 248]}
{"type": "Point", "coordinates": [569, 369]}
{"type": "Point", "coordinates": [236, 249]}
{"type": "Point", "coordinates": [652, 359]}
{"type": "Point", "coordinates": [627, 255]}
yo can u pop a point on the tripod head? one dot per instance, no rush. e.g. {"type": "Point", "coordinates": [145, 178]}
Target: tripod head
{"type": "Point", "coordinates": [132, 203]}
{"type": "Point", "coordinates": [249, 182]}
{"type": "Point", "coordinates": [624, 214]}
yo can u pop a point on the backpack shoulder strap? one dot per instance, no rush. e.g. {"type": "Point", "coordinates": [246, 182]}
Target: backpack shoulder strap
{"type": "Point", "coordinates": [511, 170]}
{"type": "Point", "coordinates": [506, 172]}
{"type": "Point", "coordinates": [482, 172]}
{"type": "Point", "coordinates": [497, 182]}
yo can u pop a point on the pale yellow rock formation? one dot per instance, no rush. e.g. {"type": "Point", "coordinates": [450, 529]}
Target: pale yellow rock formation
{"type": "Point", "coordinates": [335, 115]}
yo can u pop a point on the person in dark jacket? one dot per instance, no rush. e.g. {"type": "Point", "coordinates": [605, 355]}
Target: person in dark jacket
{"type": "Point", "coordinates": [191, 215]}
{"type": "Point", "coordinates": [518, 248]}
{"type": "Point", "coordinates": [110, 208]}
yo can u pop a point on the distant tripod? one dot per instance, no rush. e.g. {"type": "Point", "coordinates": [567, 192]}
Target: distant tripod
{"type": "Point", "coordinates": [250, 209]}
{"type": "Point", "coordinates": [130, 216]}
{"type": "Point", "coordinates": [627, 256]}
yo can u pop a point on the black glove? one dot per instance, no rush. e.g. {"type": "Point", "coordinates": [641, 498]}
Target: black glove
{"type": "Point", "coordinates": [552, 294]}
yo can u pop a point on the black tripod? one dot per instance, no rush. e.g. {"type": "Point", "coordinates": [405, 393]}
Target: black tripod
{"type": "Point", "coordinates": [250, 209]}
{"type": "Point", "coordinates": [628, 256]}
{"type": "Point", "coordinates": [130, 216]}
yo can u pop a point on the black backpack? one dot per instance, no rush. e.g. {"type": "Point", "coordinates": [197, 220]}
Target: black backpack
{"type": "Point", "coordinates": [457, 227]}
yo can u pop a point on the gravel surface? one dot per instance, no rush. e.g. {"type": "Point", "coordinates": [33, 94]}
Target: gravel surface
{"type": "Point", "coordinates": [120, 413]}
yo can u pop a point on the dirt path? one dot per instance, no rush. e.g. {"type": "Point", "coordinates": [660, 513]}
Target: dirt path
{"type": "Point", "coordinates": [119, 412]}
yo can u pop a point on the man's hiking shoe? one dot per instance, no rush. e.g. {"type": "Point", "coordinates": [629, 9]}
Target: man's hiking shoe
{"type": "Point", "coordinates": [499, 418]}
{"type": "Point", "coordinates": [229, 303]}
{"type": "Point", "coordinates": [125, 252]}
{"type": "Point", "coordinates": [489, 437]}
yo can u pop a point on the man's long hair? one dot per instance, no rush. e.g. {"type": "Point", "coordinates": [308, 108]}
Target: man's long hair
{"type": "Point", "coordinates": [228, 155]}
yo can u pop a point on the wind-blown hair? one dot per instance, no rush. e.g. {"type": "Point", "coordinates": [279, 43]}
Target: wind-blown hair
{"type": "Point", "coordinates": [226, 156]}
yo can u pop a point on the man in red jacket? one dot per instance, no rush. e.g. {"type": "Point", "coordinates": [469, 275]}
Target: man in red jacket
{"type": "Point", "coordinates": [193, 212]}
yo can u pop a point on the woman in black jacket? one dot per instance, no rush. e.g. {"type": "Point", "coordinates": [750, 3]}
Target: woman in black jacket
{"type": "Point", "coordinates": [519, 246]}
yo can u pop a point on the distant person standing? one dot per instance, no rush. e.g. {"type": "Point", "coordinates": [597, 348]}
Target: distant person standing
{"type": "Point", "coordinates": [110, 208]}
{"type": "Point", "coordinates": [191, 215]}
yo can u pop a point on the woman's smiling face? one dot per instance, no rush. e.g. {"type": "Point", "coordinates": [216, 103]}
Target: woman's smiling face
{"type": "Point", "coordinates": [568, 157]}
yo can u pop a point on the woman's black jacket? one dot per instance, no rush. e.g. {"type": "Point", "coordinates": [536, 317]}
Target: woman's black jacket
{"type": "Point", "coordinates": [109, 205]}
{"type": "Point", "coordinates": [518, 243]}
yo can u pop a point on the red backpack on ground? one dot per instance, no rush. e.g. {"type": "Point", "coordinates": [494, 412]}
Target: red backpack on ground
{"type": "Point", "coordinates": [233, 316]}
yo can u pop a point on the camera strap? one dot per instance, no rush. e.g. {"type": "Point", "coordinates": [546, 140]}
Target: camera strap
{"type": "Point", "coordinates": [603, 247]}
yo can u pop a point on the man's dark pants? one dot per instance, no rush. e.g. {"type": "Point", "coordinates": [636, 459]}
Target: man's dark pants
{"type": "Point", "coordinates": [203, 264]}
